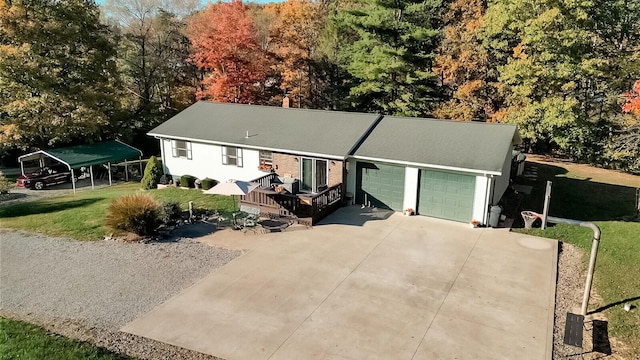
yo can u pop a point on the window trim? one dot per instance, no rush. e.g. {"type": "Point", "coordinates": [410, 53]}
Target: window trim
{"type": "Point", "coordinates": [175, 150]}
{"type": "Point", "coordinates": [225, 156]}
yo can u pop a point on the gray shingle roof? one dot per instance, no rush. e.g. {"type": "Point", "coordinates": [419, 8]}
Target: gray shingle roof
{"type": "Point", "coordinates": [464, 145]}
{"type": "Point", "coordinates": [330, 133]}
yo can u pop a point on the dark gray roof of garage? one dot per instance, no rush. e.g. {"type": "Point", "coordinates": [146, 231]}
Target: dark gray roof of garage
{"type": "Point", "coordinates": [445, 143]}
{"type": "Point", "coordinates": [330, 133]}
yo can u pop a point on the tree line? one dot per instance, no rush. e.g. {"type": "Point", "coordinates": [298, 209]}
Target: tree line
{"type": "Point", "coordinates": [564, 71]}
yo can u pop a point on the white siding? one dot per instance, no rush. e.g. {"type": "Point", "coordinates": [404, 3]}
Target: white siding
{"type": "Point", "coordinates": [480, 206]}
{"type": "Point", "coordinates": [411, 176]}
{"type": "Point", "coordinates": [502, 182]}
{"type": "Point", "coordinates": [206, 161]}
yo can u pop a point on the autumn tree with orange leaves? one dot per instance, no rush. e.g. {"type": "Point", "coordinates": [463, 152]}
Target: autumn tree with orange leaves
{"type": "Point", "coordinates": [463, 63]}
{"type": "Point", "coordinates": [225, 44]}
{"type": "Point", "coordinates": [294, 39]}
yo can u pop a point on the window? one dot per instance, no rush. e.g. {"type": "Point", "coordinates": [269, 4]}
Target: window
{"type": "Point", "coordinates": [232, 156]}
{"type": "Point", "coordinates": [181, 149]}
{"type": "Point", "coordinates": [266, 158]}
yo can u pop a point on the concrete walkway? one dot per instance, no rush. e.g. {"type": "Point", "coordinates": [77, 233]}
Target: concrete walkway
{"type": "Point", "coordinates": [364, 287]}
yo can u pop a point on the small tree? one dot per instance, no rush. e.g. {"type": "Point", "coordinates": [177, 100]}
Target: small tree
{"type": "Point", "coordinates": [152, 173]}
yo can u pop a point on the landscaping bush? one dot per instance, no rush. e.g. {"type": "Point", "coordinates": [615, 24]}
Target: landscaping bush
{"type": "Point", "coordinates": [165, 179]}
{"type": "Point", "coordinates": [171, 212]}
{"type": "Point", "coordinates": [188, 181]}
{"type": "Point", "coordinates": [5, 185]}
{"type": "Point", "coordinates": [137, 213]}
{"type": "Point", "coordinates": [208, 183]}
{"type": "Point", "coordinates": [152, 173]}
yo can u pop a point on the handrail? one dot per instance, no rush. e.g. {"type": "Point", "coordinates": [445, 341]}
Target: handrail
{"type": "Point", "coordinates": [592, 258]}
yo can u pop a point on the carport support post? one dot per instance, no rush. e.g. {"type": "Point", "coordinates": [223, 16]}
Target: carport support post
{"type": "Point", "coordinates": [91, 172]}
{"type": "Point", "coordinates": [592, 259]}
{"type": "Point", "coordinates": [545, 210]}
{"type": "Point", "coordinates": [73, 181]}
{"type": "Point", "coordinates": [109, 164]}
{"type": "Point", "coordinates": [126, 171]}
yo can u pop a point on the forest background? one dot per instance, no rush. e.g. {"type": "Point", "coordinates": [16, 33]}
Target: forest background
{"type": "Point", "coordinates": [565, 71]}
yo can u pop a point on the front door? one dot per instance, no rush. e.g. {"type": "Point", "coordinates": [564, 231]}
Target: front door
{"type": "Point", "coordinates": [313, 174]}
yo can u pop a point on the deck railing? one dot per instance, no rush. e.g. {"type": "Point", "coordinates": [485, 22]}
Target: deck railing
{"type": "Point", "coordinates": [308, 208]}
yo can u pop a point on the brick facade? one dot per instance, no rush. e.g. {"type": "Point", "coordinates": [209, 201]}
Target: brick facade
{"type": "Point", "coordinates": [290, 164]}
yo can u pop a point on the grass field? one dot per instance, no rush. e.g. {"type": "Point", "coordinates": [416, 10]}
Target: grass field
{"type": "Point", "coordinates": [607, 198]}
{"type": "Point", "coordinates": [81, 216]}
{"type": "Point", "coordinates": [20, 340]}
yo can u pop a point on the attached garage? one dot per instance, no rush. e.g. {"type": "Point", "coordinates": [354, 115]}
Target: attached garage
{"type": "Point", "coordinates": [445, 169]}
{"type": "Point", "coordinates": [446, 195]}
{"type": "Point", "coordinates": [380, 185]}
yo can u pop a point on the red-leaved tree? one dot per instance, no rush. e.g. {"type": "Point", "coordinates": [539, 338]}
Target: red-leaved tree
{"type": "Point", "coordinates": [225, 45]}
{"type": "Point", "coordinates": [632, 103]}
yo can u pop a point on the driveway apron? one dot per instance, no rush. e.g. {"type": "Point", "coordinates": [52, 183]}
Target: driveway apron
{"type": "Point", "coordinates": [360, 286]}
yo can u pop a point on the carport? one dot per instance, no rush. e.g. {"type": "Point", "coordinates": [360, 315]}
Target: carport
{"type": "Point", "coordinates": [87, 155]}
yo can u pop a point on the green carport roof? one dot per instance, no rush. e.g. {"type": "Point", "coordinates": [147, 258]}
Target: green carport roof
{"type": "Point", "coordinates": [87, 155]}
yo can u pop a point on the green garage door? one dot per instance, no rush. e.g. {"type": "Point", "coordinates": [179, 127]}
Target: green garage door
{"type": "Point", "coordinates": [446, 195]}
{"type": "Point", "coordinates": [380, 184]}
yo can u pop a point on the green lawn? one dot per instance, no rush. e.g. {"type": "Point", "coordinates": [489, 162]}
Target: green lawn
{"type": "Point", "coordinates": [576, 196]}
{"type": "Point", "coordinates": [19, 340]}
{"type": "Point", "coordinates": [81, 216]}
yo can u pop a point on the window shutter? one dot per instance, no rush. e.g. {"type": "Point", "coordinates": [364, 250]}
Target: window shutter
{"type": "Point", "coordinates": [188, 149]}
{"type": "Point", "coordinates": [224, 155]}
{"type": "Point", "coordinates": [239, 157]}
{"type": "Point", "coordinates": [174, 148]}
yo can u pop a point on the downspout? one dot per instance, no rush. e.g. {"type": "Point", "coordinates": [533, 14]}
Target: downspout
{"type": "Point", "coordinates": [592, 258]}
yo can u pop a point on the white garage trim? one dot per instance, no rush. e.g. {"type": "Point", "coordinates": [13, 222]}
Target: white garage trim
{"type": "Point", "coordinates": [428, 166]}
{"type": "Point", "coordinates": [411, 176]}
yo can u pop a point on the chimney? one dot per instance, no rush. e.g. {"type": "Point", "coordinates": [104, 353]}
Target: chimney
{"type": "Point", "coordinates": [285, 101]}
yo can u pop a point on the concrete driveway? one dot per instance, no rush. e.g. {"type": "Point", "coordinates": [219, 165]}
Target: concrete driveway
{"type": "Point", "coordinates": [362, 286]}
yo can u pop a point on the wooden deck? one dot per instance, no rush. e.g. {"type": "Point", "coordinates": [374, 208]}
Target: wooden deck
{"type": "Point", "coordinates": [304, 208]}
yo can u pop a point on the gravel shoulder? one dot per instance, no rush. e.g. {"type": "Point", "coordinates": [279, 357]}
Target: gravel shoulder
{"type": "Point", "coordinates": [569, 291]}
{"type": "Point", "coordinates": [88, 290]}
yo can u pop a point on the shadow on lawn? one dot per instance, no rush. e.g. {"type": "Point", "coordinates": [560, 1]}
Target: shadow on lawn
{"type": "Point", "coordinates": [580, 199]}
{"type": "Point", "coordinates": [44, 207]}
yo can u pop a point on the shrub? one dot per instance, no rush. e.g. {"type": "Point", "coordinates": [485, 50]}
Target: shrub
{"type": "Point", "coordinates": [171, 212]}
{"type": "Point", "coordinates": [5, 185]}
{"type": "Point", "coordinates": [208, 183]}
{"type": "Point", "coordinates": [137, 213]}
{"type": "Point", "coordinates": [188, 181]}
{"type": "Point", "coordinates": [165, 179]}
{"type": "Point", "coordinates": [152, 173]}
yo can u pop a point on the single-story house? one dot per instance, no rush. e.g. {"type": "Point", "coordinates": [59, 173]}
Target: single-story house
{"type": "Point", "coordinates": [445, 169]}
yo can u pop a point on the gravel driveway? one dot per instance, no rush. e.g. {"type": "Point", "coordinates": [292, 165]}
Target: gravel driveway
{"type": "Point", "coordinates": [96, 285]}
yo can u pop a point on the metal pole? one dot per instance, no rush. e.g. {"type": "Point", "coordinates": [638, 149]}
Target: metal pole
{"type": "Point", "coordinates": [126, 171]}
{"type": "Point", "coordinates": [73, 181]}
{"type": "Point", "coordinates": [91, 172]}
{"type": "Point", "coordinates": [592, 259]}
{"type": "Point", "coordinates": [140, 167]}
{"type": "Point", "coordinates": [109, 164]}
{"type": "Point", "coordinates": [22, 168]}
{"type": "Point", "coordinates": [545, 210]}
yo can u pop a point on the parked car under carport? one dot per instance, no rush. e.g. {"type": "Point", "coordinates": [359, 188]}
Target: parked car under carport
{"type": "Point", "coordinates": [46, 176]}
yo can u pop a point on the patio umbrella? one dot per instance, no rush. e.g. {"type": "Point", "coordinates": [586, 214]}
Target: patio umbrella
{"type": "Point", "coordinates": [233, 188]}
